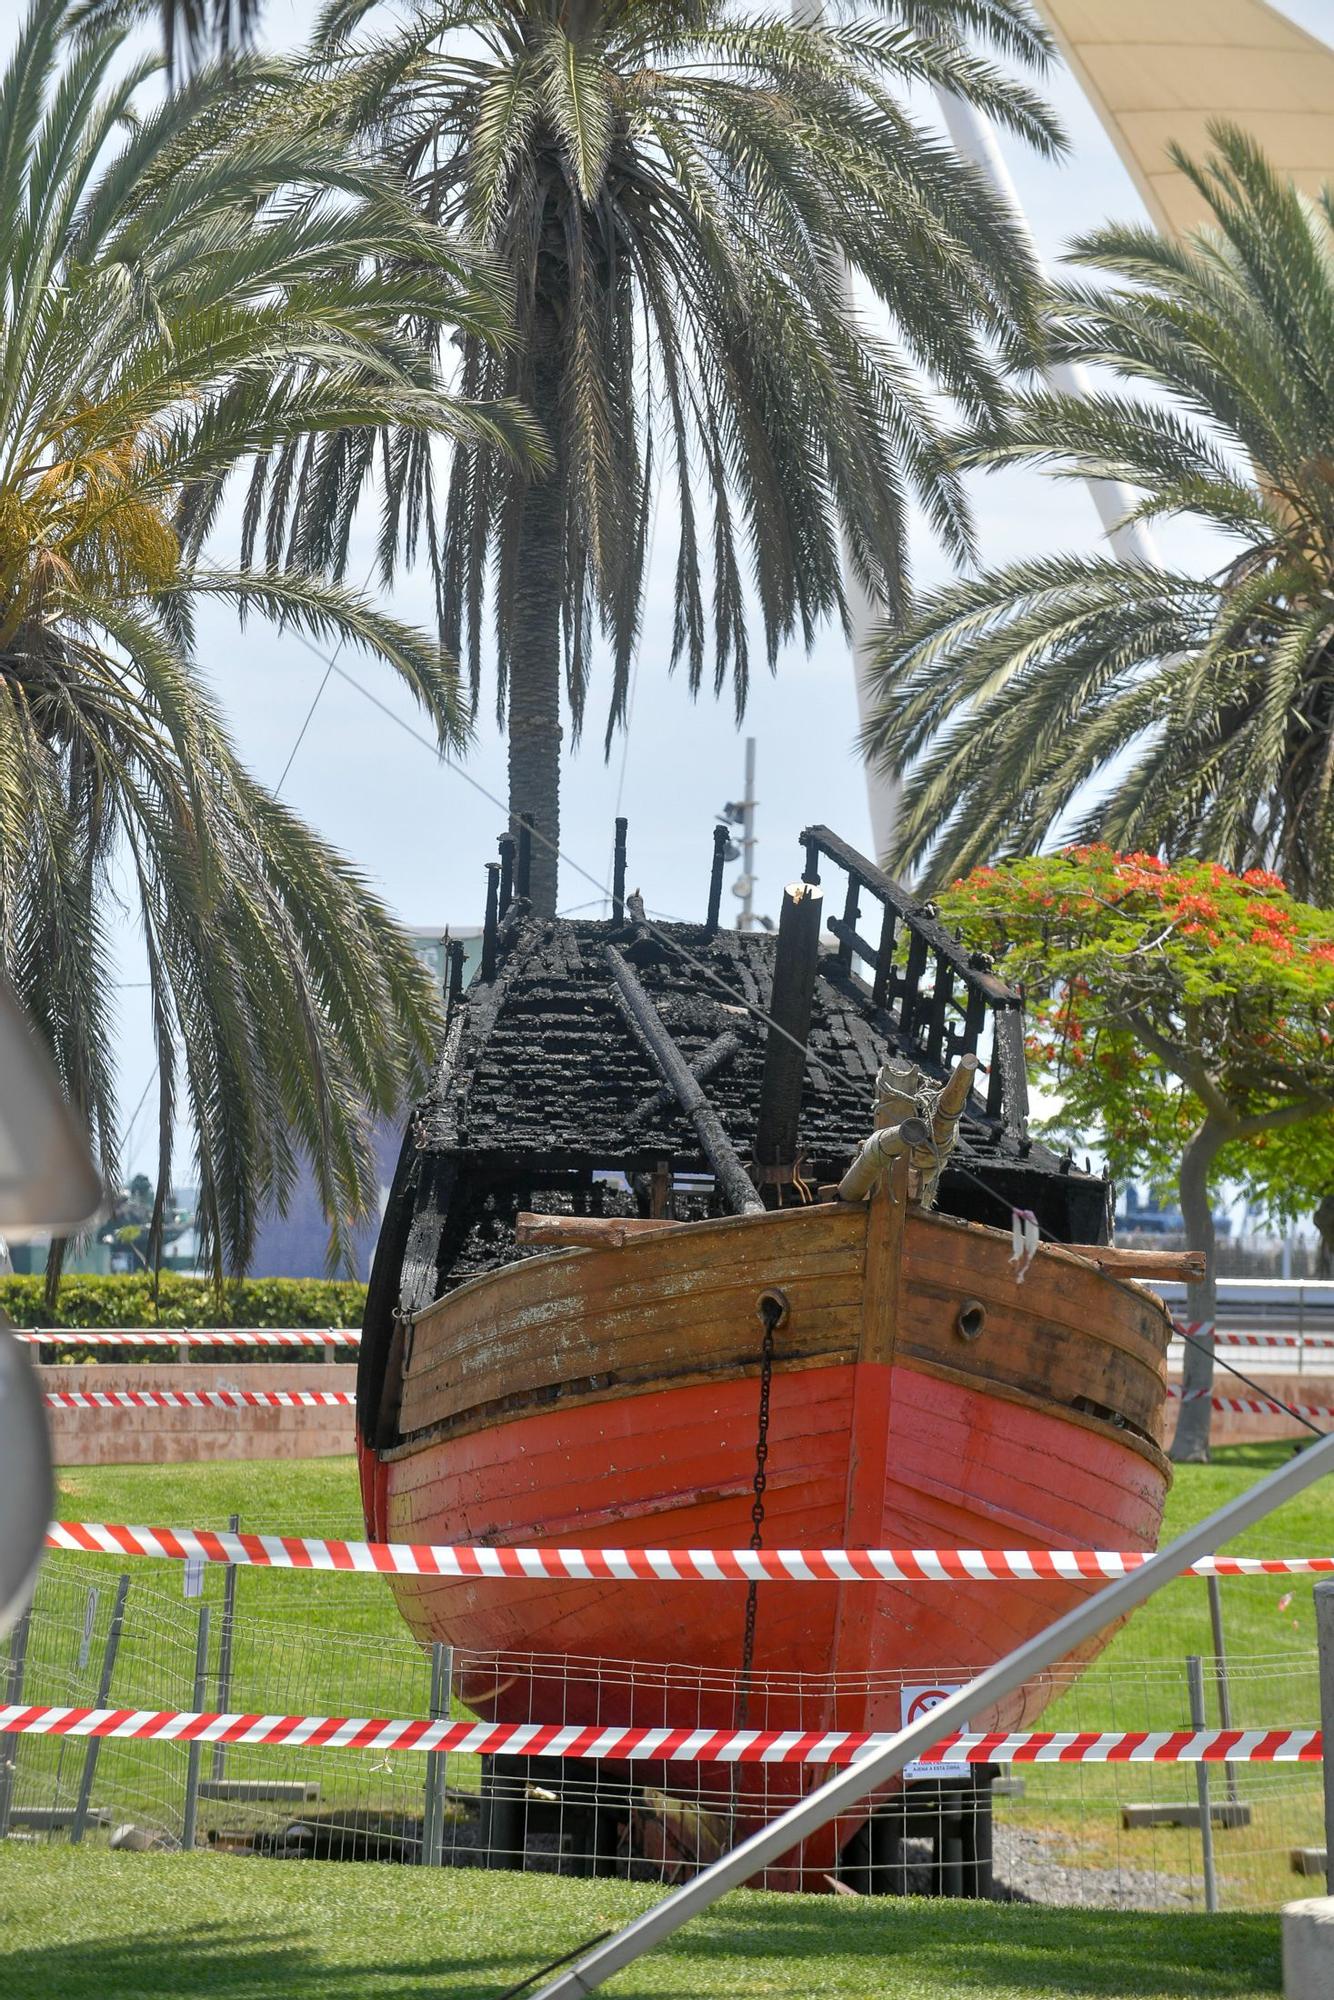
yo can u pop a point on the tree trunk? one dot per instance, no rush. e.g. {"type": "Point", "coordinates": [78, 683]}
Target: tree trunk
{"type": "Point", "coordinates": [1190, 1444]}
{"type": "Point", "coordinates": [1324, 1222]}
{"type": "Point", "coordinates": [535, 662]}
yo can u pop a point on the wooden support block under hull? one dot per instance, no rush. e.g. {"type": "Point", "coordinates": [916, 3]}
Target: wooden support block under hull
{"type": "Point", "coordinates": [1222, 1812]}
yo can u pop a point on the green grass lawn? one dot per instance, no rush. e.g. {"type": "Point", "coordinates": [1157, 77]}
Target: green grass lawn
{"type": "Point", "coordinates": [335, 1644]}
{"type": "Point", "coordinates": [320, 1497]}
{"type": "Point", "coordinates": [93, 1926]}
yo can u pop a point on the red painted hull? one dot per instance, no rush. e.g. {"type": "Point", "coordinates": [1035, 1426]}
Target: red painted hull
{"type": "Point", "coordinates": [881, 1454]}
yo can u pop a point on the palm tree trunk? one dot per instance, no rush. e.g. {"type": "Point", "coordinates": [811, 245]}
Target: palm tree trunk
{"type": "Point", "coordinates": [1190, 1443]}
{"type": "Point", "coordinates": [535, 664]}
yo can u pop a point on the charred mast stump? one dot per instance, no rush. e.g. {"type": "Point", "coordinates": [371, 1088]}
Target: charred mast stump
{"type": "Point", "coordinates": [490, 923]}
{"type": "Point", "coordinates": [720, 846]}
{"type": "Point", "coordinates": [618, 873]}
{"type": "Point", "coordinates": [791, 997]}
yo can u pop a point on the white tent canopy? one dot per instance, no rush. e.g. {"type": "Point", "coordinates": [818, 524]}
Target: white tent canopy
{"type": "Point", "coordinates": [1162, 70]}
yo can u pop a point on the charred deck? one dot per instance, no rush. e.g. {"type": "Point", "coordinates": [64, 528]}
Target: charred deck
{"type": "Point", "coordinates": [629, 1068]}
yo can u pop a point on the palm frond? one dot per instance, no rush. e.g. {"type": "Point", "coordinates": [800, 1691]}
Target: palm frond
{"type": "Point", "coordinates": [1167, 710]}
{"type": "Point", "coordinates": [684, 197]}
{"type": "Point", "coordinates": [190, 285]}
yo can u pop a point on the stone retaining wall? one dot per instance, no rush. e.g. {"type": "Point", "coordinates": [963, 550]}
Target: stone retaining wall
{"type": "Point", "coordinates": [184, 1437]}
{"type": "Point", "coordinates": [1253, 1427]}
{"type": "Point", "coordinates": [193, 1437]}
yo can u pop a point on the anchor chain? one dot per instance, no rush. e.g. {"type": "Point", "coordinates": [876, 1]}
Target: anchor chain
{"type": "Point", "coordinates": [773, 1311]}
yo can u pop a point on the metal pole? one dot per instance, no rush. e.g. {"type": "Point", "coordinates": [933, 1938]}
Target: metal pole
{"type": "Point", "coordinates": [1220, 1677]}
{"type": "Point", "coordinates": [974, 138]}
{"type": "Point", "coordinates": [855, 1783]}
{"type": "Point", "coordinates": [192, 1755]}
{"type": "Point", "coordinates": [884, 789]}
{"type": "Point", "coordinates": [9, 1745]}
{"type": "Point", "coordinates": [225, 1646]}
{"type": "Point", "coordinates": [1324, 1633]}
{"type": "Point", "coordinates": [103, 1701]}
{"type": "Point", "coordinates": [1301, 1329]}
{"type": "Point", "coordinates": [1195, 1687]}
{"type": "Point", "coordinates": [433, 1821]}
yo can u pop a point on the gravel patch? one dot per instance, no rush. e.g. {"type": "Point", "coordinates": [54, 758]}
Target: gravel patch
{"type": "Point", "coordinates": [1027, 1863]}
{"type": "Point", "coordinates": [1027, 1870]}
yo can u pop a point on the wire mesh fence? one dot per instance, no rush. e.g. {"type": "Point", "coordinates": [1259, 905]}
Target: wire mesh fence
{"type": "Point", "coordinates": [102, 1634]}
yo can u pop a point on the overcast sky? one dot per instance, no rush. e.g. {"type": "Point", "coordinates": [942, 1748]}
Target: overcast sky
{"type": "Point", "coordinates": [422, 835]}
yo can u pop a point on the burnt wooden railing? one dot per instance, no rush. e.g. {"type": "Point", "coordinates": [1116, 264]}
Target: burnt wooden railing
{"type": "Point", "coordinates": [938, 997]}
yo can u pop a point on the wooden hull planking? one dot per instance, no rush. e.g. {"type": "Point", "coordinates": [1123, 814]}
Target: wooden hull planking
{"type": "Point", "coordinates": [922, 1397]}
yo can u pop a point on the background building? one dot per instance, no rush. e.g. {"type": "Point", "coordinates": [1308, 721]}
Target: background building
{"type": "Point", "coordinates": [296, 1245]}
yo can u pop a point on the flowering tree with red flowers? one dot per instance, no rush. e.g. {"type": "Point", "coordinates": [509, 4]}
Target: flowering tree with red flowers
{"type": "Point", "coordinates": [1183, 1017]}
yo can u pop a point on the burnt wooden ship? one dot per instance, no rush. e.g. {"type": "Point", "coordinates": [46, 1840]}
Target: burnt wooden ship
{"type": "Point", "coordinates": [616, 1272]}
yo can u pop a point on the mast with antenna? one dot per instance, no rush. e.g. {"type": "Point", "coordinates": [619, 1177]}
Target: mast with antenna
{"type": "Point", "coordinates": [741, 813]}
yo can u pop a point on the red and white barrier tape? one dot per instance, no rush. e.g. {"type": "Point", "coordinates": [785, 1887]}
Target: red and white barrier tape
{"type": "Point", "coordinates": [144, 1336]}
{"type": "Point", "coordinates": [687, 1746]}
{"type": "Point", "coordinates": [1256, 1406]}
{"type": "Point", "coordinates": [200, 1399]}
{"type": "Point", "coordinates": [1205, 1329]}
{"type": "Point", "coordinates": [642, 1565]}
{"type": "Point", "coordinates": [1308, 1342]}
{"type": "Point", "coordinates": [289, 1337]}
{"type": "Point", "coordinates": [293, 1399]}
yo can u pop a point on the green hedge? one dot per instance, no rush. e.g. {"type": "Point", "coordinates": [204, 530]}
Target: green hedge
{"type": "Point", "coordinates": [128, 1301]}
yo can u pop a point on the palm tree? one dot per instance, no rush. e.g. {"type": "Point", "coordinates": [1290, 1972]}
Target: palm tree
{"type": "Point", "coordinates": [185, 286]}
{"type": "Point", "coordinates": [1194, 711]}
{"type": "Point", "coordinates": [193, 31]}
{"type": "Point", "coordinates": [682, 193]}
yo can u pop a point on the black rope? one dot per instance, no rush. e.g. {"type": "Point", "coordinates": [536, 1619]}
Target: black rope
{"type": "Point", "coordinates": [1267, 1394]}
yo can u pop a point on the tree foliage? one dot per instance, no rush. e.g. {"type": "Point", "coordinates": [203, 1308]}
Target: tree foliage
{"type": "Point", "coordinates": [185, 284]}
{"type": "Point", "coordinates": [1200, 706]}
{"type": "Point", "coordinates": [1184, 1018]}
{"type": "Point", "coordinates": [1157, 992]}
{"type": "Point", "coordinates": [194, 32]}
{"type": "Point", "coordinates": [135, 1299]}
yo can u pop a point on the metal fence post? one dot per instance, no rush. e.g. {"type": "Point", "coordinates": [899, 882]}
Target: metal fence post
{"type": "Point", "coordinates": [1220, 1677]}
{"type": "Point", "coordinates": [1324, 1632]}
{"type": "Point", "coordinates": [225, 1648]}
{"type": "Point", "coordinates": [90, 1755]}
{"type": "Point", "coordinates": [192, 1755]}
{"type": "Point", "coordinates": [433, 1818]}
{"type": "Point", "coordinates": [9, 1745]}
{"type": "Point", "coordinates": [1301, 1329]}
{"type": "Point", "coordinates": [1195, 1683]}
